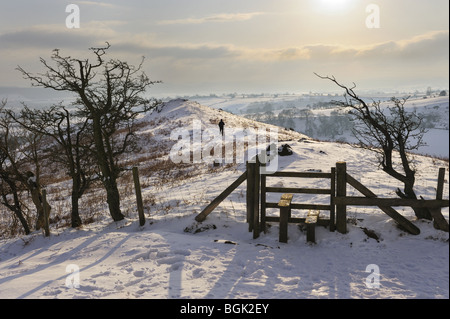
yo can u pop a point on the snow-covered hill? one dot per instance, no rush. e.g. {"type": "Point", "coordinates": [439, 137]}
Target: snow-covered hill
{"type": "Point", "coordinates": [319, 118]}
{"type": "Point", "coordinates": [172, 256]}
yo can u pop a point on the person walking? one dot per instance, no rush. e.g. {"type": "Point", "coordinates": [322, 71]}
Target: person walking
{"type": "Point", "coordinates": [221, 125]}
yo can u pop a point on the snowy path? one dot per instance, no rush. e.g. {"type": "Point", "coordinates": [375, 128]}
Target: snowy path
{"type": "Point", "coordinates": [163, 261]}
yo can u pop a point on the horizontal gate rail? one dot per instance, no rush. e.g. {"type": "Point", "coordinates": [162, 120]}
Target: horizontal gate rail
{"type": "Point", "coordinates": [302, 206]}
{"type": "Point", "coordinates": [393, 202]}
{"type": "Point", "coordinates": [299, 174]}
{"type": "Point", "coordinates": [298, 190]}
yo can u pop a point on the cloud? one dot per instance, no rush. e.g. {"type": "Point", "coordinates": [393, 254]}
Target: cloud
{"type": "Point", "coordinates": [99, 4]}
{"type": "Point", "coordinates": [433, 46]}
{"type": "Point", "coordinates": [422, 47]}
{"type": "Point", "coordinates": [429, 46]}
{"type": "Point", "coordinates": [223, 17]}
{"type": "Point", "coordinates": [181, 52]}
{"type": "Point", "coordinates": [94, 33]}
{"type": "Point", "coordinates": [421, 57]}
{"type": "Point", "coordinates": [58, 36]}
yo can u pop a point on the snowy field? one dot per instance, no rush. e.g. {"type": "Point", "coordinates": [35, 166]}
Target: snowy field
{"type": "Point", "coordinates": [174, 257]}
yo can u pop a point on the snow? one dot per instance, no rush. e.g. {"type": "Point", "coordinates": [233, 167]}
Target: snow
{"type": "Point", "coordinates": [168, 259]}
{"type": "Point", "coordinates": [435, 108]}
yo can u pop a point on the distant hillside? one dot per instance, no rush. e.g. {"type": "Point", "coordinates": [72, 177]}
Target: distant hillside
{"type": "Point", "coordinates": [317, 116]}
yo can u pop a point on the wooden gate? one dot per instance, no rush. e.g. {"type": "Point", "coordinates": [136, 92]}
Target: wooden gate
{"type": "Point", "coordinates": [299, 206]}
{"type": "Point", "coordinates": [257, 204]}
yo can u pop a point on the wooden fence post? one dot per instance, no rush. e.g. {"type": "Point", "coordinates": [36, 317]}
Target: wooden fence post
{"type": "Point", "coordinates": [263, 202]}
{"type": "Point", "coordinates": [137, 187]}
{"type": "Point", "coordinates": [440, 185]}
{"type": "Point", "coordinates": [341, 191]}
{"type": "Point", "coordinates": [250, 194]}
{"type": "Point", "coordinates": [257, 174]}
{"type": "Point", "coordinates": [284, 219]}
{"type": "Point", "coordinates": [46, 213]}
{"type": "Point", "coordinates": [333, 194]}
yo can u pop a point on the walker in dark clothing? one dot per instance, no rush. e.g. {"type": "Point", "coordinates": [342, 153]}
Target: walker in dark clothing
{"type": "Point", "coordinates": [221, 125]}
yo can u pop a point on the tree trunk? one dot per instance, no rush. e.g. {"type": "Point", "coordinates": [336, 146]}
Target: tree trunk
{"type": "Point", "coordinates": [108, 175]}
{"type": "Point", "coordinates": [75, 216]}
{"type": "Point", "coordinates": [16, 208]}
{"type": "Point", "coordinates": [37, 201]}
{"type": "Point", "coordinates": [113, 200]}
{"type": "Point", "coordinates": [18, 212]}
{"type": "Point", "coordinates": [408, 190]}
{"type": "Point", "coordinates": [76, 195]}
{"type": "Point", "coordinates": [420, 212]}
{"type": "Point", "coordinates": [36, 196]}
{"type": "Point", "coordinates": [22, 220]}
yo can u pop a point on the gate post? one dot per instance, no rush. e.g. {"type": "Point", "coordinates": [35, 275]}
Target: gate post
{"type": "Point", "coordinates": [137, 189]}
{"type": "Point", "coordinates": [332, 195]}
{"type": "Point", "coordinates": [46, 213]}
{"type": "Point", "coordinates": [250, 194]}
{"type": "Point", "coordinates": [341, 191]}
{"type": "Point", "coordinates": [256, 224]}
{"type": "Point", "coordinates": [263, 202]}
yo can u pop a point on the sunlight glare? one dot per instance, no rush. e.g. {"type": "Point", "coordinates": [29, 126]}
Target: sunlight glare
{"type": "Point", "coordinates": [334, 5]}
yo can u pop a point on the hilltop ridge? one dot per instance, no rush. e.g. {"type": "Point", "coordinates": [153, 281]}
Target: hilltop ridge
{"type": "Point", "coordinates": [183, 112]}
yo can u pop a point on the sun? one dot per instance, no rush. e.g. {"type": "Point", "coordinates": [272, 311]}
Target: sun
{"type": "Point", "coordinates": [334, 5]}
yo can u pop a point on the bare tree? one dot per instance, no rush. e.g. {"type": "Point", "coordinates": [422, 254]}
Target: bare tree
{"type": "Point", "coordinates": [111, 95]}
{"type": "Point", "coordinates": [10, 195]}
{"type": "Point", "coordinates": [391, 132]}
{"type": "Point", "coordinates": [18, 156]}
{"type": "Point", "coordinates": [73, 146]}
{"type": "Point", "coordinates": [9, 188]}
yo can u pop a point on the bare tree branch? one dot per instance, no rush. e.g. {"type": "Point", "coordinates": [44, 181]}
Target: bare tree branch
{"type": "Point", "coordinates": [110, 95]}
{"type": "Point", "coordinates": [388, 131]}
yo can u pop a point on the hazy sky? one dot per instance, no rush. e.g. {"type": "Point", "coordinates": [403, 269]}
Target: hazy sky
{"type": "Point", "coordinates": [217, 46]}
